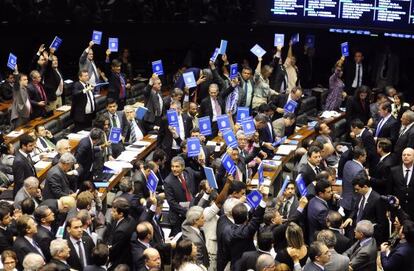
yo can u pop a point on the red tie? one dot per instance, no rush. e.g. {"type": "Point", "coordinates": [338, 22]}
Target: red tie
{"type": "Point", "coordinates": [42, 92]}
{"type": "Point", "coordinates": [184, 185]}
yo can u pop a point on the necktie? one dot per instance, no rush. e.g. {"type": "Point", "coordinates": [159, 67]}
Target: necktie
{"type": "Point", "coordinates": [122, 87]}
{"type": "Point", "coordinates": [379, 127]}
{"type": "Point", "coordinates": [133, 136]}
{"type": "Point", "coordinates": [247, 103]}
{"type": "Point", "coordinates": [184, 186]}
{"type": "Point", "coordinates": [30, 159]}
{"type": "Point", "coordinates": [81, 258]}
{"type": "Point", "coordinates": [42, 92]}
{"type": "Point", "coordinates": [407, 172]}
{"type": "Point", "coordinates": [402, 131]}
{"type": "Point", "coordinates": [361, 208]}
{"type": "Point", "coordinates": [36, 246]}
{"type": "Point", "coordinates": [90, 99]}
{"type": "Point", "coordinates": [358, 74]}
{"type": "Point", "coordinates": [218, 108]}
{"type": "Point", "coordinates": [114, 122]}
{"type": "Point", "coordinates": [318, 170]}
{"type": "Point", "coordinates": [285, 209]}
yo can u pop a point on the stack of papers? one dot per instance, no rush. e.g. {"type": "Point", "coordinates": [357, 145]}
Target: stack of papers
{"type": "Point", "coordinates": [330, 114]}
{"type": "Point", "coordinates": [50, 154]}
{"type": "Point", "coordinates": [297, 137]}
{"type": "Point", "coordinates": [127, 156]}
{"type": "Point", "coordinates": [135, 148]}
{"type": "Point", "coordinates": [74, 136]}
{"type": "Point", "coordinates": [141, 143]}
{"type": "Point", "coordinates": [15, 133]}
{"type": "Point", "coordinates": [266, 182]}
{"type": "Point", "coordinates": [286, 149]}
{"type": "Point", "coordinates": [64, 108]}
{"type": "Point", "coordinates": [42, 165]}
{"type": "Point", "coordinates": [153, 136]}
{"type": "Point", "coordinates": [117, 166]}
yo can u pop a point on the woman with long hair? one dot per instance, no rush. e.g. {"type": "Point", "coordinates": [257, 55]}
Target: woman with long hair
{"type": "Point", "coordinates": [185, 257]}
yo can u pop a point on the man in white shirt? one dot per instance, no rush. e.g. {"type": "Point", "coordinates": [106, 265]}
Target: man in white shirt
{"type": "Point", "coordinates": [87, 63]}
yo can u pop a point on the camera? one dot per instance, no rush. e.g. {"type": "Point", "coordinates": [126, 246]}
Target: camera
{"type": "Point", "coordinates": [390, 199]}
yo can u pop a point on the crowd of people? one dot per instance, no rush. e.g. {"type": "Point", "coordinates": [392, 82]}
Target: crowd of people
{"type": "Point", "coordinates": [357, 213]}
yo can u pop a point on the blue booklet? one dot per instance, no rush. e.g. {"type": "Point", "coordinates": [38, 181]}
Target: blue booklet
{"type": "Point", "coordinates": [254, 198]}
{"type": "Point", "coordinates": [233, 71]}
{"type": "Point", "coordinates": [310, 41]}
{"type": "Point", "coordinates": [279, 40]}
{"type": "Point", "coordinates": [211, 178]}
{"type": "Point", "coordinates": [113, 44]}
{"type": "Point", "coordinates": [300, 183]}
{"type": "Point", "coordinates": [215, 54]}
{"type": "Point", "coordinates": [284, 185]}
{"type": "Point", "coordinates": [279, 142]}
{"type": "Point", "coordinates": [172, 118]}
{"type": "Point", "coordinates": [140, 113]}
{"type": "Point", "coordinates": [205, 126]}
{"type": "Point", "coordinates": [223, 122]}
{"type": "Point", "coordinates": [258, 51]}
{"type": "Point", "coordinates": [230, 138]}
{"type": "Point", "coordinates": [290, 106]}
{"type": "Point", "coordinates": [260, 173]}
{"type": "Point", "coordinates": [345, 49]}
{"type": "Point", "coordinates": [152, 182]}
{"type": "Point", "coordinates": [115, 135]}
{"type": "Point", "coordinates": [56, 43]}
{"type": "Point", "coordinates": [293, 142]}
{"type": "Point", "coordinates": [242, 113]}
{"type": "Point", "coordinates": [189, 79]}
{"type": "Point", "coordinates": [223, 47]}
{"type": "Point", "coordinates": [12, 61]}
{"type": "Point", "coordinates": [193, 146]}
{"type": "Point", "coordinates": [97, 37]}
{"type": "Point", "coordinates": [228, 164]}
{"type": "Point", "coordinates": [157, 67]}
{"type": "Point", "coordinates": [101, 184]}
{"type": "Point", "coordinates": [248, 126]}
{"type": "Point", "coordinates": [295, 38]}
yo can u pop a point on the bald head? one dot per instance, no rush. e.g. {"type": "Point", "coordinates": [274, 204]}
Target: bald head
{"type": "Point", "coordinates": [408, 157]}
{"type": "Point", "coordinates": [152, 258]}
{"type": "Point", "coordinates": [264, 261]}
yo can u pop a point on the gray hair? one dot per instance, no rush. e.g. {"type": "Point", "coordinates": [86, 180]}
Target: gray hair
{"type": "Point", "coordinates": [261, 118]}
{"type": "Point", "coordinates": [240, 133]}
{"type": "Point", "coordinates": [60, 144]}
{"type": "Point", "coordinates": [365, 227]}
{"type": "Point", "coordinates": [327, 237]}
{"type": "Point", "coordinates": [177, 91]}
{"type": "Point", "coordinates": [125, 185]}
{"type": "Point", "coordinates": [30, 182]}
{"type": "Point", "coordinates": [264, 261]}
{"type": "Point", "coordinates": [178, 159]}
{"type": "Point", "coordinates": [128, 108]}
{"type": "Point", "coordinates": [67, 158]}
{"type": "Point", "coordinates": [57, 246]}
{"type": "Point", "coordinates": [176, 103]}
{"type": "Point", "coordinates": [229, 204]}
{"type": "Point", "coordinates": [410, 115]}
{"type": "Point", "coordinates": [33, 262]}
{"type": "Point", "coordinates": [193, 214]}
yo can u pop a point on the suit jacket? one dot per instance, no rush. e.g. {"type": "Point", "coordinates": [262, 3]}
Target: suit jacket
{"type": "Point", "coordinates": [93, 268]}
{"type": "Point", "coordinates": [73, 259]}
{"type": "Point", "coordinates": [56, 184]}
{"type": "Point", "coordinates": [22, 195]}
{"type": "Point", "coordinates": [124, 125]}
{"type": "Point", "coordinates": [6, 91]}
{"type": "Point", "coordinates": [140, 185]}
{"type": "Point", "coordinates": [398, 187]}
{"type": "Point", "coordinates": [137, 251]}
{"type": "Point", "coordinates": [342, 242]}
{"type": "Point", "coordinates": [363, 258]}
{"type": "Point", "coordinates": [223, 253]}
{"type": "Point", "coordinates": [241, 165]}
{"type": "Point", "coordinates": [248, 260]}
{"type": "Point", "coordinates": [119, 237]}
{"type": "Point", "coordinates": [22, 169]}
{"type": "Point", "coordinates": [175, 194]}
{"type": "Point", "coordinates": [351, 170]}
{"type": "Point", "coordinates": [43, 237]}
{"type": "Point", "coordinates": [114, 87]}
{"type": "Point", "coordinates": [280, 101]}
{"type": "Point", "coordinates": [400, 258]}
{"type": "Point", "coordinates": [355, 110]}
{"type": "Point", "coordinates": [317, 212]}
{"type": "Point", "coordinates": [20, 98]}
{"type": "Point", "coordinates": [61, 266]}
{"type": "Point", "coordinates": [79, 99]}
{"type": "Point", "coordinates": [368, 141]}
{"type": "Point", "coordinates": [380, 177]}
{"type": "Point", "coordinates": [6, 239]}
{"type": "Point", "coordinates": [165, 137]}
{"type": "Point", "coordinates": [151, 102]}
{"type": "Point", "coordinates": [128, 127]}
{"type": "Point", "coordinates": [22, 247]}
{"type": "Point", "coordinates": [199, 240]}
{"type": "Point", "coordinates": [389, 129]}
{"type": "Point", "coordinates": [406, 140]}
{"type": "Point", "coordinates": [52, 80]}
{"type": "Point", "coordinates": [350, 72]}
{"type": "Point", "coordinates": [292, 209]}
{"type": "Point", "coordinates": [35, 98]}
{"type": "Point", "coordinates": [206, 108]}
{"type": "Point", "coordinates": [84, 157]}
{"type": "Point", "coordinates": [242, 101]}
{"type": "Point", "coordinates": [279, 127]}
{"type": "Point", "coordinates": [278, 76]}
{"type": "Point", "coordinates": [308, 174]}
{"type": "Point", "coordinates": [312, 267]}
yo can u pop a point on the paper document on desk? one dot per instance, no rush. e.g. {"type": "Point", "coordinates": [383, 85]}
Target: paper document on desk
{"type": "Point", "coordinates": [255, 182]}
{"type": "Point", "coordinates": [141, 143]}
{"type": "Point", "coordinates": [64, 108]}
{"type": "Point", "coordinates": [134, 148]}
{"type": "Point", "coordinates": [272, 163]}
{"type": "Point", "coordinates": [153, 136]}
{"type": "Point", "coordinates": [127, 156]}
{"type": "Point", "coordinates": [330, 114]}
{"type": "Point", "coordinates": [297, 137]}
{"type": "Point", "coordinates": [42, 165]}
{"type": "Point", "coordinates": [286, 149]}
{"type": "Point", "coordinates": [117, 166]}
{"type": "Point", "coordinates": [15, 133]}
{"type": "Point", "coordinates": [165, 206]}
{"type": "Point", "coordinates": [84, 132]}
{"type": "Point", "coordinates": [50, 154]}
{"type": "Point", "coordinates": [74, 136]}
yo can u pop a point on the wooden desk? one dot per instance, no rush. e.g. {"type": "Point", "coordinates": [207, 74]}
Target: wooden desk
{"type": "Point", "coordinates": [4, 106]}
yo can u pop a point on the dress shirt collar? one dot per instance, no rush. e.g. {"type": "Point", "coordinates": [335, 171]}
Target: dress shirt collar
{"type": "Point", "coordinates": [197, 230]}
{"type": "Point", "coordinates": [320, 266]}
{"type": "Point", "coordinates": [384, 156]}
{"type": "Point", "coordinates": [367, 194]}
{"type": "Point", "coordinates": [365, 241]}
{"type": "Point", "coordinates": [147, 245]}
{"type": "Point", "coordinates": [362, 131]}
{"type": "Point", "coordinates": [359, 163]}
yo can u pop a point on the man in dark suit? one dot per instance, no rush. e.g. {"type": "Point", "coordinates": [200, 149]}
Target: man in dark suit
{"type": "Point", "coordinates": [45, 218]}
{"type": "Point", "coordinates": [80, 249]}
{"type": "Point", "coordinates": [24, 243]}
{"type": "Point", "coordinates": [21, 107]}
{"type": "Point", "coordinates": [116, 118]}
{"type": "Point", "coordinates": [246, 87]}
{"type": "Point", "coordinates": [287, 208]}
{"type": "Point", "coordinates": [241, 173]}
{"type": "Point", "coordinates": [369, 207]}
{"type": "Point", "coordinates": [53, 82]}
{"type": "Point", "coordinates": [334, 223]}
{"type": "Point", "coordinates": [119, 233]}
{"type": "Point", "coordinates": [319, 255]}
{"type": "Point", "coordinates": [30, 190]}
{"type": "Point", "coordinates": [402, 182]}
{"type": "Point", "coordinates": [249, 258]}
{"type": "Point", "coordinates": [6, 235]}
{"type": "Point", "coordinates": [356, 73]}
{"type": "Point", "coordinates": [192, 231]}
{"type": "Point", "coordinates": [213, 106]}
{"type": "Point", "coordinates": [6, 88]}
{"type": "Point", "coordinates": [134, 129]}
{"type": "Point", "coordinates": [282, 99]}
{"type": "Point", "coordinates": [118, 85]}
{"type": "Point", "coordinates": [87, 63]}
{"type": "Point", "coordinates": [139, 242]}
{"type": "Point", "coordinates": [152, 260]}
{"type": "Point", "coordinates": [57, 184]}
{"type": "Point", "coordinates": [313, 166]}
{"type": "Point", "coordinates": [153, 102]}
{"type": "Point", "coordinates": [99, 258]}
{"type": "Point", "coordinates": [318, 208]}
{"type": "Point", "coordinates": [37, 95]}
{"type": "Point", "coordinates": [85, 153]}
{"type": "Point", "coordinates": [180, 187]}
{"type": "Point", "coordinates": [84, 105]}
{"type": "Point", "coordinates": [60, 251]}
{"type": "Point", "coordinates": [388, 126]}
{"type": "Point", "coordinates": [381, 173]}
{"type": "Point", "coordinates": [140, 179]}
{"type": "Point", "coordinates": [406, 135]}
{"type": "Point", "coordinates": [363, 136]}
{"type": "Point", "coordinates": [279, 75]}
{"type": "Point", "coordinates": [363, 253]}
{"type": "Point", "coordinates": [22, 163]}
